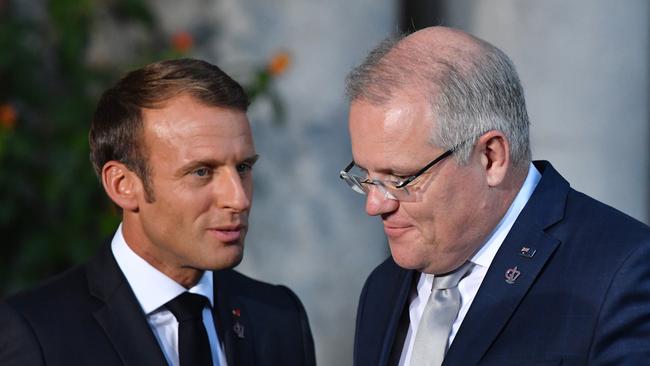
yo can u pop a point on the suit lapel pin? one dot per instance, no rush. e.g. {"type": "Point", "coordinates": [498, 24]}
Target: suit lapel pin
{"type": "Point", "coordinates": [238, 329]}
{"type": "Point", "coordinates": [527, 252]}
{"type": "Point", "coordinates": [511, 275]}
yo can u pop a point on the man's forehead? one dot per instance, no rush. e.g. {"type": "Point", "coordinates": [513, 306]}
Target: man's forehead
{"type": "Point", "coordinates": [392, 134]}
{"type": "Point", "coordinates": [186, 115]}
{"type": "Point", "coordinates": [398, 119]}
{"type": "Point", "coordinates": [192, 130]}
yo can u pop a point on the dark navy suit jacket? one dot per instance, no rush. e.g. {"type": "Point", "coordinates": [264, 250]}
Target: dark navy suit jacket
{"type": "Point", "coordinates": [582, 299]}
{"type": "Point", "coordinates": [90, 316]}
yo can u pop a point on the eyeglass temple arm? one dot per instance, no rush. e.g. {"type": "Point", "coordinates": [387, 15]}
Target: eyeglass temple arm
{"type": "Point", "coordinates": [419, 173]}
{"type": "Point", "coordinates": [344, 172]}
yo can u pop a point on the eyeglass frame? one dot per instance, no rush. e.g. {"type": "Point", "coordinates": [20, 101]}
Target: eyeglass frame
{"type": "Point", "coordinates": [408, 179]}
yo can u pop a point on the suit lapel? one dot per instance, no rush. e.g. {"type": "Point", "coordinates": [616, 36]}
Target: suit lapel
{"type": "Point", "coordinates": [398, 298]}
{"type": "Point", "coordinates": [498, 296]}
{"type": "Point", "coordinates": [512, 272]}
{"type": "Point", "coordinates": [121, 316]}
{"type": "Point", "coordinates": [232, 323]}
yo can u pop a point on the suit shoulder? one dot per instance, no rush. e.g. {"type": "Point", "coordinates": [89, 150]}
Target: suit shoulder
{"type": "Point", "coordinates": [234, 279]}
{"type": "Point", "coordinates": [282, 317]}
{"type": "Point", "coordinates": [605, 222]}
{"type": "Point", "coordinates": [62, 290]}
{"type": "Point", "coordinates": [18, 342]}
{"type": "Point", "coordinates": [236, 283]}
{"type": "Point", "coordinates": [34, 318]}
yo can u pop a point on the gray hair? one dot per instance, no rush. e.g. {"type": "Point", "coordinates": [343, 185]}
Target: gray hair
{"type": "Point", "coordinates": [470, 92]}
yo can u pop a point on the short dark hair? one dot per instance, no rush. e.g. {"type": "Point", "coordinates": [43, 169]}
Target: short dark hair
{"type": "Point", "coordinates": [116, 132]}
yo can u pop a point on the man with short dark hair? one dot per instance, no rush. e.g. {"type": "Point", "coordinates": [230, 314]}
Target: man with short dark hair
{"type": "Point", "coordinates": [172, 146]}
{"type": "Point", "coordinates": [495, 260]}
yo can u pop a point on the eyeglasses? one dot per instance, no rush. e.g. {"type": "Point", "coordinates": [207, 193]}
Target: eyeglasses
{"type": "Point", "coordinates": [357, 179]}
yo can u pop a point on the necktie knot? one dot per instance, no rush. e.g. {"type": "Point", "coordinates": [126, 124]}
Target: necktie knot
{"type": "Point", "coordinates": [187, 306]}
{"type": "Point", "coordinates": [193, 342]}
{"type": "Point", "coordinates": [451, 279]}
{"type": "Point", "coordinates": [438, 317]}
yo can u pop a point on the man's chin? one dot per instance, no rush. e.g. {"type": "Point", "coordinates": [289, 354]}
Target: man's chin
{"type": "Point", "coordinates": [405, 258]}
{"type": "Point", "coordinates": [226, 258]}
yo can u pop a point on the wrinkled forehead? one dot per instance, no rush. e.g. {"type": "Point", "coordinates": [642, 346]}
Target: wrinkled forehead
{"type": "Point", "coordinates": [401, 113]}
{"type": "Point", "coordinates": [399, 128]}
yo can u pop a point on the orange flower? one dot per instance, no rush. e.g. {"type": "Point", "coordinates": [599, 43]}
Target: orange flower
{"type": "Point", "coordinates": [182, 42]}
{"type": "Point", "coordinates": [7, 115]}
{"type": "Point", "coordinates": [279, 63]}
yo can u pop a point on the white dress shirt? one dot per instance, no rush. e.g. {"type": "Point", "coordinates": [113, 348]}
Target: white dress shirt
{"type": "Point", "coordinates": [469, 285]}
{"type": "Point", "coordinates": [153, 289]}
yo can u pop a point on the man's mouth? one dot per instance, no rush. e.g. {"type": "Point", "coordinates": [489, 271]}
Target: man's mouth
{"type": "Point", "coordinates": [396, 230]}
{"type": "Point", "coordinates": [228, 233]}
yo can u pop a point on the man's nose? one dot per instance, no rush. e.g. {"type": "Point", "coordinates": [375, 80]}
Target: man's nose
{"type": "Point", "coordinates": [377, 202]}
{"type": "Point", "coordinates": [234, 192]}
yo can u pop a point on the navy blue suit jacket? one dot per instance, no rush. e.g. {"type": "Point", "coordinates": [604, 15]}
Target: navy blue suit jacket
{"type": "Point", "coordinates": [582, 299]}
{"type": "Point", "coordinates": [90, 316]}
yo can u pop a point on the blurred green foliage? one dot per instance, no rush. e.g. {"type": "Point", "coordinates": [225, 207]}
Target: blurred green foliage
{"type": "Point", "coordinates": [53, 211]}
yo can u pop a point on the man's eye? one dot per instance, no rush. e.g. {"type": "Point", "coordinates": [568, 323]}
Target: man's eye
{"type": "Point", "coordinates": [361, 174]}
{"type": "Point", "coordinates": [202, 172]}
{"type": "Point", "coordinates": [396, 181]}
{"type": "Point", "coordinates": [244, 168]}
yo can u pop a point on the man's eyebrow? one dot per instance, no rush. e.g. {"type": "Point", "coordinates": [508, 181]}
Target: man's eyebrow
{"type": "Point", "coordinates": [387, 170]}
{"type": "Point", "coordinates": [380, 170]}
{"type": "Point", "coordinates": [212, 163]}
{"type": "Point", "coordinates": [251, 159]}
{"type": "Point", "coordinates": [195, 164]}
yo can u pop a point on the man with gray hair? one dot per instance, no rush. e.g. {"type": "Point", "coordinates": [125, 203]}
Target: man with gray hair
{"type": "Point", "coordinates": [495, 260]}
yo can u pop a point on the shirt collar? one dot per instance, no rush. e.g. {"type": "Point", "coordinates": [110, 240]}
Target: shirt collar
{"type": "Point", "coordinates": [488, 251]}
{"type": "Point", "coordinates": [151, 287]}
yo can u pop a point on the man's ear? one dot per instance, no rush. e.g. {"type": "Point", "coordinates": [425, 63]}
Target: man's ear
{"type": "Point", "coordinates": [495, 156]}
{"type": "Point", "coordinates": [122, 185]}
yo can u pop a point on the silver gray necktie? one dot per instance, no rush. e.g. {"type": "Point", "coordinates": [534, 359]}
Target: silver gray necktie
{"type": "Point", "coordinates": [439, 315]}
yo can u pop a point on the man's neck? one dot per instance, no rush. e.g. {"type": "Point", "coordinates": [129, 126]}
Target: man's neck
{"type": "Point", "coordinates": [155, 256]}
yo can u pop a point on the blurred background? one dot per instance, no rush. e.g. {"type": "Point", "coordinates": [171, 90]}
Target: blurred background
{"type": "Point", "coordinates": [584, 65]}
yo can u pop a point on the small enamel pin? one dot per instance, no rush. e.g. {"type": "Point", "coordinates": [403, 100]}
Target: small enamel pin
{"type": "Point", "coordinates": [238, 329]}
{"type": "Point", "coordinates": [527, 252]}
{"type": "Point", "coordinates": [511, 275]}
